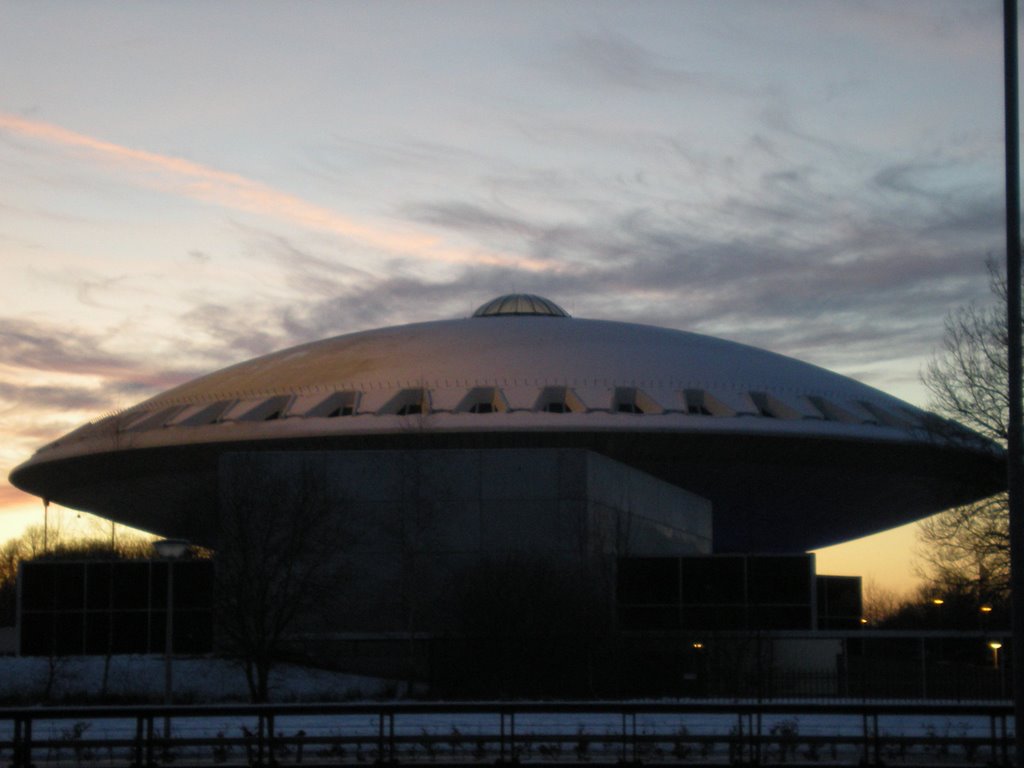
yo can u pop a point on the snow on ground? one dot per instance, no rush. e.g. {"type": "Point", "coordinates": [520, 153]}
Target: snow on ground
{"type": "Point", "coordinates": [195, 680]}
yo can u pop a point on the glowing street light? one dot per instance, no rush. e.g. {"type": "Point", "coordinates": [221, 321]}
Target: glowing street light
{"type": "Point", "coordinates": [995, 645]}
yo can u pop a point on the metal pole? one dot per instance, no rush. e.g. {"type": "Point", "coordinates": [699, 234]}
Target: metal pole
{"type": "Point", "coordinates": [168, 646]}
{"type": "Point", "coordinates": [1013, 319]}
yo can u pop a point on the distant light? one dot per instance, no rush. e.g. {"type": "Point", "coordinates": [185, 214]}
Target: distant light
{"type": "Point", "coordinates": [698, 645]}
{"type": "Point", "coordinates": [863, 621]}
{"type": "Point", "coordinates": [986, 609]}
{"type": "Point", "coordinates": [995, 645]}
{"type": "Point", "coordinates": [937, 601]}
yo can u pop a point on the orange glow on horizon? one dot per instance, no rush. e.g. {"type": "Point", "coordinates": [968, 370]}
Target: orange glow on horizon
{"type": "Point", "coordinates": [12, 497]}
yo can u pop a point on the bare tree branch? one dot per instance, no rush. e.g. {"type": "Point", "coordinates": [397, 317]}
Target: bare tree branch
{"type": "Point", "coordinates": [967, 548]}
{"type": "Point", "coordinates": [279, 561]}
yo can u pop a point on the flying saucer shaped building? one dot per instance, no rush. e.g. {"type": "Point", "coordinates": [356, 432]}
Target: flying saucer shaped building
{"type": "Point", "coordinates": [605, 478]}
{"type": "Point", "coordinates": [790, 456]}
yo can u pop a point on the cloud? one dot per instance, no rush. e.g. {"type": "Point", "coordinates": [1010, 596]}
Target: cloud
{"type": "Point", "coordinates": [763, 271]}
{"type": "Point", "coordinates": [618, 61]}
{"type": "Point", "coordinates": [474, 218]}
{"type": "Point", "coordinates": [846, 274]}
{"type": "Point", "coordinates": [228, 333]}
{"type": "Point", "coordinates": [27, 344]}
{"type": "Point", "coordinates": [229, 190]}
{"type": "Point", "coordinates": [57, 349]}
{"type": "Point", "coordinates": [953, 28]}
{"type": "Point", "coordinates": [88, 289]}
{"type": "Point", "coordinates": [306, 272]}
{"type": "Point", "coordinates": [63, 397]}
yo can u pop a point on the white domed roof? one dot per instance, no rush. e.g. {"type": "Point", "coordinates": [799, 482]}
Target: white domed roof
{"type": "Point", "coordinates": [791, 455]}
{"type": "Point", "coordinates": [561, 373]}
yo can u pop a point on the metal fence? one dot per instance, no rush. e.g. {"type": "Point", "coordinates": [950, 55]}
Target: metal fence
{"type": "Point", "coordinates": [569, 733]}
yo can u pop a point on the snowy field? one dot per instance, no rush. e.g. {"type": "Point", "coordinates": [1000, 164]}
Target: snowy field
{"type": "Point", "coordinates": [198, 680]}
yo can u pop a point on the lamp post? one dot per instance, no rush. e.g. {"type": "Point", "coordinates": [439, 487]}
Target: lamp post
{"type": "Point", "coordinates": [995, 645]}
{"type": "Point", "coordinates": [169, 550]}
{"type": "Point", "coordinates": [1014, 369]}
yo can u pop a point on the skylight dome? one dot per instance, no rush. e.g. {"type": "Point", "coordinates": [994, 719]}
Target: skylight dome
{"type": "Point", "coordinates": [520, 304]}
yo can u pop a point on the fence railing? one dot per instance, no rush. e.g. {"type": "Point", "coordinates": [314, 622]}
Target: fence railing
{"type": "Point", "coordinates": [704, 733]}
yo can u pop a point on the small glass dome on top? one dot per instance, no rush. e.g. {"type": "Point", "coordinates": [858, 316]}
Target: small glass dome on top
{"type": "Point", "coordinates": [520, 304]}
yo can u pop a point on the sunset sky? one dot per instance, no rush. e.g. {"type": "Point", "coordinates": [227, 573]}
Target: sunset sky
{"type": "Point", "coordinates": [186, 185]}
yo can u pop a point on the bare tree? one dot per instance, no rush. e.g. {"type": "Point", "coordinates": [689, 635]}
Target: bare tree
{"type": "Point", "coordinates": [880, 603]}
{"type": "Point", "coordinates": [968, 377]}
{"type": "Point", "coordinates": [278, 560]}
{"type": "Point", "coordinates": [967, 548]}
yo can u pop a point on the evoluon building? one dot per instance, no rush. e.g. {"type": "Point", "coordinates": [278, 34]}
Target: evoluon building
{"type": "Point", "coordinates": [525, 433]}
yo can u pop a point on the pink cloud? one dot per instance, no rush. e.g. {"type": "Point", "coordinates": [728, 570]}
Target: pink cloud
{"type": "Point", "coordinates": [231, 190]}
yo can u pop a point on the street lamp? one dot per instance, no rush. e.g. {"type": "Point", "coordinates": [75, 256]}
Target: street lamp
{"type": "Point", "coordinates": [995, 645]}
{"type": "Point", "coordinates": [169, 550]}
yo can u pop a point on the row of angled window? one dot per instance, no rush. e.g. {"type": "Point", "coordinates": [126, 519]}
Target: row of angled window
{"type": "Point", "coordinates": [482, 400]}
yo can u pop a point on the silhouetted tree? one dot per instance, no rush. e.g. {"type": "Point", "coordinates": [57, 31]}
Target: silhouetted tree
{"type": "Point", "coordinates": [931, 608]}
{"type": "Point", "coordinates": [967, 548]}
{"type": "Point", "coordinates": [278, 560]}
{"type": "Point", "coordinates": [880, 603]}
